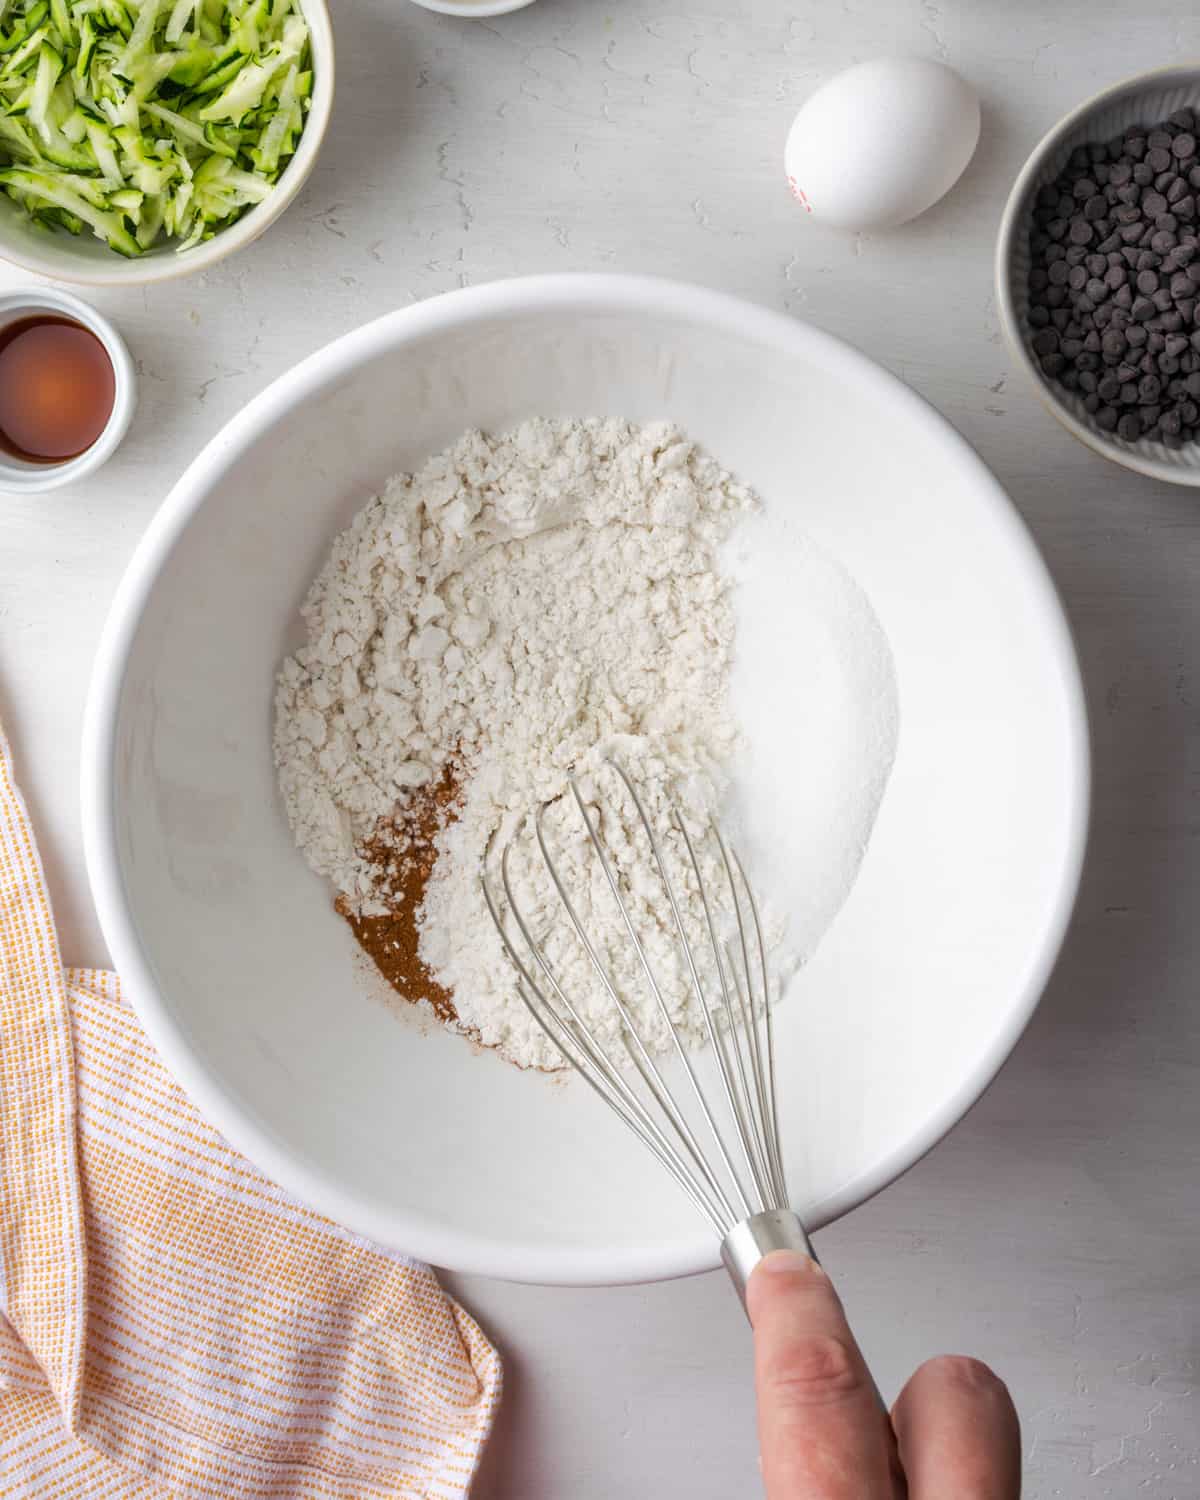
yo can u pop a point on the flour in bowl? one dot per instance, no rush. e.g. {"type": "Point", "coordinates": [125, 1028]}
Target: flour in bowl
{"type": "Point", "coordinates": [524, 605]}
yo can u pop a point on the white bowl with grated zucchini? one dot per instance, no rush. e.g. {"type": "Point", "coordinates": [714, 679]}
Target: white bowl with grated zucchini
{"type": "Point", "coordinates": [146, 139]}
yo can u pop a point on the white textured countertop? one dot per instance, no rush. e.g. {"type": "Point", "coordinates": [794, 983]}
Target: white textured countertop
{"type": "Point", "coordinates": [1054, 1234]}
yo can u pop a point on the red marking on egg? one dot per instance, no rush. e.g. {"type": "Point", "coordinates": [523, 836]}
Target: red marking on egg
{"type": "Point", "coordinates": [800, 195]}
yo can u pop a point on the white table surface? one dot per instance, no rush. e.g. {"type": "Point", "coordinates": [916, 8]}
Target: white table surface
{"type": "Point", "coordinates": [1054, 1234]}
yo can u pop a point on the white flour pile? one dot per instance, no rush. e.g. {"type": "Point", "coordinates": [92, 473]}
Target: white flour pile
{"type": "Point", "coordinates": [521, 606]}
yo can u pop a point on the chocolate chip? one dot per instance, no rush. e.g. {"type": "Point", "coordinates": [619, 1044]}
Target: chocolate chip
{"type": "Point", "coordinates": [1152, 205]}
{"type": "Point", "coordinates": [1147, 282]}
{"type": "Point", "coordinates": [1130, 427]}
{"type": "Point", "coordinates": [1183, 147]}
{"type": "Point", "coordinates": [1158, 159]}
{"type": "Point", "coordinates": [1107, 418]}
{"type": "Point", "coordinates": [1109, 387]}
{"type": "Point", "coordinates": [1081, 232]}
{"type": "Point", "coordinates": [1096, 207]}
{"type": "Point", "coordinates": [1143, 174]}
{"type": "Point", "coordinates": [1176, 191]}
{"type": "Point", "coordinates": [1149, 389]}
{"type": "Point", "coordinates": [1143, 308]}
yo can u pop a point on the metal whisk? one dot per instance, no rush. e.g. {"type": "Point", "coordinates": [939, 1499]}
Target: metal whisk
{"type": "Point", "coordinates": [729, 1163]}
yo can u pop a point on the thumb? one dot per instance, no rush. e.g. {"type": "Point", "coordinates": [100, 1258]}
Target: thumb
{"type": "Point", "coordinates": [822, 1433]}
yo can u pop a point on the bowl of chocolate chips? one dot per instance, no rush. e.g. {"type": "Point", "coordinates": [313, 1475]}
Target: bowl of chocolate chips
{"type": "Point", "coordinates": [1098, 273]}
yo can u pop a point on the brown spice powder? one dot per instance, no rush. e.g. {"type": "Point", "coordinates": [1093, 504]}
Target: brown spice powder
{"type": "Point", "coordinates": [402, 851]}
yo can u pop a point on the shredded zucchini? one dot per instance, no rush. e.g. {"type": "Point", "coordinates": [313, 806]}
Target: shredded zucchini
{"type": "Point", "coordinates": [149, 120]}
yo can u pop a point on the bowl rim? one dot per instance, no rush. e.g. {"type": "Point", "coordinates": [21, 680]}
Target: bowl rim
{"type": "Point", "coordinates": [461, 1252]}
{"type": "Point", "coordinates": [169, 265]}
{"type": "Point", "coordinates": [1010, 223]}
{"type": "Point", "coordinates": [471, 10]}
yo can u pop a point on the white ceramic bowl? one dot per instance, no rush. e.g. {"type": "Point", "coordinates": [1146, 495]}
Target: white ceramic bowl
{"type": "Point", "coordinates": [243, 974]}
{"type": "Point", "coordinates": [85, 260]}
{"type": "Point", "coordinates": [1144, 100]}
{"type": "Point", "coordinates": [18, 477]}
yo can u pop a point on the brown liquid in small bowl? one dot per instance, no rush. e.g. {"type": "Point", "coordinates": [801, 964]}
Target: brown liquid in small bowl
{"type": "Point", "coordinates": [57, 389]}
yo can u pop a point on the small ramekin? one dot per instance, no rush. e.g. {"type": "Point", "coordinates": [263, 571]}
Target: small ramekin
{"type": "Point", "coordinates": [20, 478]}
{"type": "Point", "coordinates": [1141, 100]}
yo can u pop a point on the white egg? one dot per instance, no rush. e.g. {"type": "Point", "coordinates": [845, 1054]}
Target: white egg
{"type": "Point", "coordinates": [882, 142]}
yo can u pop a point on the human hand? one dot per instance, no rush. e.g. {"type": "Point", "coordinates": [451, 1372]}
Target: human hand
{"type": "Point", "coordinates": [952, 1435]}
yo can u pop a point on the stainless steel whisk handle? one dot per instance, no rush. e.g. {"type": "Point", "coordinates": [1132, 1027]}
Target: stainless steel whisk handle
{"type": "Point", "coordinates": [748, 1242]}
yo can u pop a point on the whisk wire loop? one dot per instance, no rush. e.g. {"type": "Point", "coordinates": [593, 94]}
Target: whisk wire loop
{"type": "Point", "coordinates": [590, 1058]}
{"type": "Point", "coordinates": [739, 1187]}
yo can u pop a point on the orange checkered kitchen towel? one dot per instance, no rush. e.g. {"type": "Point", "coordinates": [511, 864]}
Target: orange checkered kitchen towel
{"type": "Point", "coordinates": [171, 1323]}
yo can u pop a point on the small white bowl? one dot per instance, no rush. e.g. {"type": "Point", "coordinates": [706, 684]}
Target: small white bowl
{"type": "Point", "coordinates": [84, 259]}
{"type": "Point", "coordinates": [1142, 100]}
{"type": "Point", "coordinates": [474, 9]}
{"type": "Point", "coordinates": [20, 478]}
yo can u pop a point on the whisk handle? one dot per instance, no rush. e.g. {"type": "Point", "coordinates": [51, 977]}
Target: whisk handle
{"type": "Point", "coordinates": [746, 1243]}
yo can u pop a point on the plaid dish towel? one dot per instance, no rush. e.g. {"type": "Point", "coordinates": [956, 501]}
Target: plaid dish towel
{"type": "Point", "coordinates": [171, 1323]}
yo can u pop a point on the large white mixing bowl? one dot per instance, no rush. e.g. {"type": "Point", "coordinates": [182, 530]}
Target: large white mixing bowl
{"type": "Point", "coordinates": [244, 976]}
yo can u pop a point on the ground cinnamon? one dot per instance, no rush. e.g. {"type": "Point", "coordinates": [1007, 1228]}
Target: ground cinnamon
{"type": "Point", "coordinates": [402, 850]}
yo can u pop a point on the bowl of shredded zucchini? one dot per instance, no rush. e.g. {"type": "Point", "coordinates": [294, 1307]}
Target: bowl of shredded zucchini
{"type": "Point", "coordinates": [146, 139]}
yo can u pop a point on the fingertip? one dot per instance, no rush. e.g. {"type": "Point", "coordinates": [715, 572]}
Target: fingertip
{"type": "Point", "coordinates": [956, 1416]}
{"type": "Point", "coordinates": [960, 1372]}
{"type": "Point", "coordinates": [780, 1275]}
{"type": "Point", "coordinates": [782, 1262]}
